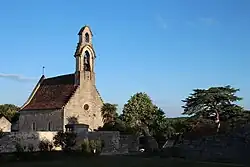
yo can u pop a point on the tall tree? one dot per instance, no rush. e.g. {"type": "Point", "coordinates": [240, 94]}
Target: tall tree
{"type": "Point", "coordinates": [215, 103]}
{"type": "Point", "coordinates": [109, 113]}
{"type": "Point", "coordinates": [138, 113]}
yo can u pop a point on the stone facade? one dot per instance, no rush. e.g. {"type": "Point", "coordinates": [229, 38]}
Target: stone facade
{"type": "Point", "coordinates": [78, 98]}
{"type": "Point", "coordinates": [5, 124]}
{"type": "Point", "coordinates": [86, 94]}
{"type": "Point", "coordinates": [41, 120]}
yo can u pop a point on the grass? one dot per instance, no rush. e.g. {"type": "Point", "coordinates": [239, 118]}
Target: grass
{"type": "Point", "coordinates": [116, 161]}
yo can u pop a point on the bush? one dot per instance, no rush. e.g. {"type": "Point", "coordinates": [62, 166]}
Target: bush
{"type": "Point", "coordinates": [85, 146]}
{"type": "Point", "coordinates": [92, 146]}
{"type": "Point", "coordinates": [45, 145]}
{"type": "Point", "coordinates": [19, 148]}
{"type": "Point", "coordinates": [30, 147]}
{"type": "Point", "coordinates": [96, 146]}
{"type": "Point", "coordinates": [99, 145]}
{"type": "Point", "coordinates": [66, 140]}
{"type": "Point", "coordinates": [1, 133]}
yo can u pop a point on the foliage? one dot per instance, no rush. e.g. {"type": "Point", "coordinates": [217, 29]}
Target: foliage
{"type": "Point", "coordinates": [117, 125]}
{"type": "Point", "coordinates": [1, 133]}
{"type": "Point", "coordinates": [72, 120]}
{"type": "Point", "coordinates": [66, 140]}
{"type": "Point", "coordinates": [139, 113]}
{"type": "Point", "coordinates": [19, 148]}
{"type": "Point", "coordinates": [92, 146]}
{"type": "Point", "coordinates": [112, 121]}
{"type": "Point", "coordinates": [179, 124]}
{"type": "Point", "coordinates": [9, 111]}
{"type": "Point", "coordinates": [45, 145]}
{"type": "Point", "coordinates": [109, 113]}
{"type": "Point", "coordinates": [85, 146]}
{"type": "Point", "coordinates": [145, 118]}
{"type": "Point", "coordinates": [96, 146]}
{"type": "Point", "coordinates": [215, 103]}
{"type": "Point", "coordinates": [30, 147]}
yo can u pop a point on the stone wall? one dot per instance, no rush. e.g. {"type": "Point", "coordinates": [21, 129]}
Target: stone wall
{"type": "Point", "coordinates": [111, 140]}
{"type": "Point", "coordinates": [231, 147]}
{"type": "Point", "coordinates": [114, 143]}
{"type": "Point", "coordinates": [42, 119]}
{"type": "Point", "coordinates": [129, 142]}
{"type": "Point", "coordinates": [9, 140]}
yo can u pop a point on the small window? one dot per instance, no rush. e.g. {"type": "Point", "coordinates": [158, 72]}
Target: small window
{"type": "Point", "coordinates": [86, 106]}
{"type": "Point", "coordinates": [87, 37]}
{"type": "Point", "coordinates": [49, 126]}
{"type": "Point", "coordinates": [34, 126]}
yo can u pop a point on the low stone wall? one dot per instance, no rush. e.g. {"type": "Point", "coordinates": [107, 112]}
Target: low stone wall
{"type": "Point", "coordinates": [129, 143]}
{"type": "Point", "coordinates": [10, 139]}
{"type": "Point", "coordinates": [114, 143]}
{"type": "Point", "coordinates": [111, 140]}
{"type": "Point", "coordinates": [231, 147]}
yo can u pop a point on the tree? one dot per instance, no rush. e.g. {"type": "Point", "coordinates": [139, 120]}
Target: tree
{"type": "Point", "coordinates": [215, 103]}
{"type": "Point", "coordinates": [9, 111]}
{"type": "Point", "coordinates": [66, 140]}
{"type": "Point", "coordinates": [160, 128]}
{"type": "Point", "coordinates": [138, 113]}
{"type": "Point", "coordinates": [109, 113]}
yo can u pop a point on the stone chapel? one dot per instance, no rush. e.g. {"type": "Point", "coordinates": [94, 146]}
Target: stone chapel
{"type": "Point", "coordinates": [56, 101]}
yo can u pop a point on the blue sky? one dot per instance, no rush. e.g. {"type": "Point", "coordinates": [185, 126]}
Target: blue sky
{"type": "Point", "coordinates": [164, 48]}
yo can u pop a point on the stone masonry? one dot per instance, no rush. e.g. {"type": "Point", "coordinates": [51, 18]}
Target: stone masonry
{"type": "Point", "coordinates": [41, 119]}
{"type": "Point", "coordinates": [5, 124]}
{"type": "Point", "coordinates": [75, 107]}
{"type": "Point", "coordinates": [55, 100]}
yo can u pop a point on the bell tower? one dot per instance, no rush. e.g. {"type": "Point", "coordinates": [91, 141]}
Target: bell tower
{"type": "Point", "coordinates": [85, 57]}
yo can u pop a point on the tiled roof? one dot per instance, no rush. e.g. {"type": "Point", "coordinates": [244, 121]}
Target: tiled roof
{"type": "Point", "coordinates": [53, 93]}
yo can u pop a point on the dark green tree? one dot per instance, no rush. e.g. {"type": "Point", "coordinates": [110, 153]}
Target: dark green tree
{"type": "Point", "coordinates": [109, 113]}
{"type": "Point", "coordinates": [214, 103]}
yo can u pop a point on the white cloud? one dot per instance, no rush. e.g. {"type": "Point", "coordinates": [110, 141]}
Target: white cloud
{"type": "Point", "coordinates": [17, 77]}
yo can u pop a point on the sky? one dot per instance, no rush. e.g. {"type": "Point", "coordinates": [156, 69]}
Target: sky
{"type": "Point", "coordinates": [165, 48]}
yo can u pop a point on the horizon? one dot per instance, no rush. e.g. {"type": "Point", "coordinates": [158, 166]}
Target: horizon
{"type": "Point", "coordinates": [165, 49]}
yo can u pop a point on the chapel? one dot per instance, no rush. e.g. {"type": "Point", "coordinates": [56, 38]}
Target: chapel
{"type": "Point", "coordinates": [66, 99]}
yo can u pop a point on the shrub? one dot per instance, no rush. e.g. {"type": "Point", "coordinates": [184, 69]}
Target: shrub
{"type": "Point", "coordinates": [92, 146]}
{"type": "Point", "coordinates": [19, 148]}
{"type": "Point", "coordinates": [99, 145]}
{"type": "Point", "coordinates": [96, 146]}
{"type": "Point", "coordinates": [1, 133]}
{"type": "Point", "coordinates": [30, 147]}
{"type": "Point", "coordinates": [85, 147]}
{"type": "Point", "coordinates": [66, 140]}
{"type": "Point", "coordinates": [45, 145]}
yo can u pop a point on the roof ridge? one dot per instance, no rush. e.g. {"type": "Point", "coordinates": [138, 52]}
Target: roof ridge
{"type": "Point", "coordinates": [60, 76]}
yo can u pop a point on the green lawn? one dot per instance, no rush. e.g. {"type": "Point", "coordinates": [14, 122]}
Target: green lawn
{"type": "Point", "coordinates": [115, 161]}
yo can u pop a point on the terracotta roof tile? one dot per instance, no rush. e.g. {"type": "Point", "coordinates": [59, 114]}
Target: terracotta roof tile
{"type": "Point", "coordinates": [53, 93]}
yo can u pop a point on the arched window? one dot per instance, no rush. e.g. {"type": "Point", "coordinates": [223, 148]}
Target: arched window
{"type": "Point", "coordinates": [87, 37]}
{"type": "Point", "coordinates": [34, 126]}
{"type": "Point", "coordinates": [49, 126]}
{"type": "Point", "coordinates": [86, 61]}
